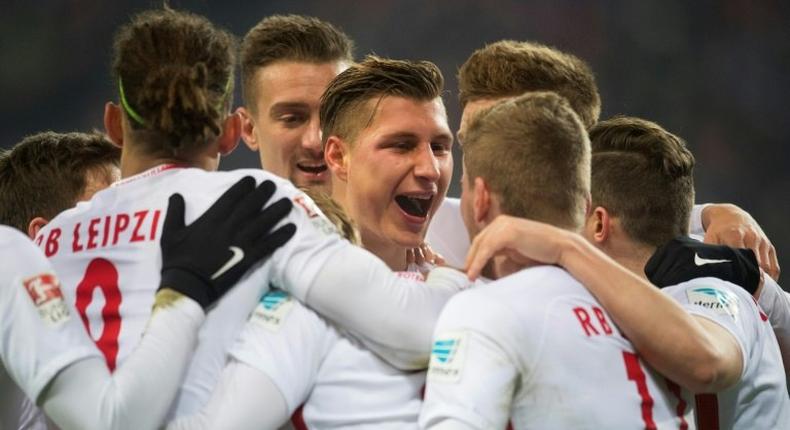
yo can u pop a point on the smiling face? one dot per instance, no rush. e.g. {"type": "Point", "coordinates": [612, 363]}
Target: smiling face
{"type": "Point", "coordinates": [397, 170]}
{"type": "Point", "coordinates": [284, 126]}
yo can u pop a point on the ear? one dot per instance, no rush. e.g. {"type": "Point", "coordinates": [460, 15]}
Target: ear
{"type": "Point", "coordinates": [248, 128]}
{"type": "Point", "coordinates": [35, 225]}
{"type": "Point", "coordinates": [336, 157]}
{"type": "Point", "coordinates": [113, 123]}
{"type": "Point", "coordinates": [231, 131]}
{"type": "Point", "coordinates": [481, 203]}
{"type": "Point", "coordinates": [599, 225]}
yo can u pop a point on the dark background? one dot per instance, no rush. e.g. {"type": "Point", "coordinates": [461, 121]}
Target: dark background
{"type": "Point", "coordinates": [714, 72]}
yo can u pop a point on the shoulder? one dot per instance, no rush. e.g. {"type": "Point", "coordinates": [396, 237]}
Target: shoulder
{"type": "Point", "coordinates": [19, 253]}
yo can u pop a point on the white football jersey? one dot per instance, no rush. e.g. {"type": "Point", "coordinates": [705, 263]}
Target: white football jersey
{"type": "Point", "coordinates": [39, 334]}
{"type": "Point", "coordinates": [759, 400]}
{"type": "Point", "coordinates": [338, 382]}
{"type": "Point", "coordinates": [537, 349]}
{"type": "Point", "coordinates": [447, 233]}
{"type": "Point", "coordinates": [107, 254]}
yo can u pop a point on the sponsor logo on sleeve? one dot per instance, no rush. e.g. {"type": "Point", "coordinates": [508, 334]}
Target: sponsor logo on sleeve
{"type": "Point", "coordinates": [272, 310]}
{"type": "Point", "coordinates": [315, 215]}
{"type": "Point", "coordinates": [447, 357]}
{"type": "Point", "coordinates": [718, 300]}
{"type": "Point", "coordinates": [44, 291]}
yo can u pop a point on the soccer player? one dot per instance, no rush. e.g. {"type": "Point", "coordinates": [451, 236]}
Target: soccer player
{"type": "Point", "coordinates": [47, 173]}
{"type": "Point", "coordinates": [509, 68]}
{"type": "Point", "coordinates": [388, 146]}
{"type": "Point", "coordinates": [287, 62]}
{"type": "Point", "coordinates": [535, 347]}
{"type": "Point", "coordinates": [174, 75]}
{"type": "Point", "coordinates": [47, 356]}
{"type": "Point", "coordinates": [642, 190]}
{"type": "Point", "coordinates": [738, 358]}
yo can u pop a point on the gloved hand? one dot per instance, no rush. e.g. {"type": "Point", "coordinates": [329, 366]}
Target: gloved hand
{"type": "Point", "coordinates": [684, 259]}
{"type": "Point", "coordinates": [205, 259]}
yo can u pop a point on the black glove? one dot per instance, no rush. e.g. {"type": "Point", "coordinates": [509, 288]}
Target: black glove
{"type": "Point", "coordinates": [205, 259]}
{"type": "Point", "coordinates": [684, 259]}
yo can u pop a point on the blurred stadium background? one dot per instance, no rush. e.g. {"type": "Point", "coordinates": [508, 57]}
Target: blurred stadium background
{"type": "Point", "coordinates": [717, 73]}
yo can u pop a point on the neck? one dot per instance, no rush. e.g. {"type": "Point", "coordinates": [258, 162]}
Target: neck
{"type": "Point", "coordinates": [632, 256]}
{"type": "Point", "coordinates": [134, 162]}
{"type": "Point", "coordinates": [393, 256]}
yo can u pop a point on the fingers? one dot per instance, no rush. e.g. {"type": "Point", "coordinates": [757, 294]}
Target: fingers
{"type": "Point", "coordinates": [254, 229]}
{"type": "Point", "coordinates": [174, 219]}
{"type": "Point", "coordinates": [479, 254]}
{"type": "Point", "coordinates": [269, 243]}
{"type": "Point", "coordinates": [252, 203]}
{"type": "Point", "coordinates": [775, 270]}
{"type": "Point", "coordinates": [227, 202]}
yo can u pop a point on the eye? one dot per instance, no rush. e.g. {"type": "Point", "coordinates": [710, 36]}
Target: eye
{"type": "Point", "coordinates": [440, 148]}
{"type": "Point", "coordinates": [292, 120]}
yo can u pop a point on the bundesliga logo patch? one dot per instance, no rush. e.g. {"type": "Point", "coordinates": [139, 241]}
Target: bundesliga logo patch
{"type": "Point", "coordinates": [317, 218]}
{"type": "Point", "coordinates": [447, 357]}
{"type": "Point", "coordinates": [44, 291]}
{"type": "Point", "coordinates": [718, 300]}
{"type": "Point", "coordinates": [273, 309]}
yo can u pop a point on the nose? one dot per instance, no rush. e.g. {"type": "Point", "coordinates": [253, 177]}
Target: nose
{"type": "Point", "coordinates": [426, 165]}
{"type": "Point", "coordinates": [311, 139]}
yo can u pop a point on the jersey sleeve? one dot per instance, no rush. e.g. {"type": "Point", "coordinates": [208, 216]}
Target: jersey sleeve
{"type": "Point", "coordinates": [695, 220]}
{"type": "Point", "coordinates": [473, 368]}
{"type": "Point", "coordinates": [354, 289]}
{"type": "Point", "coordinates": [40, 333]}
{"type": "Point", "coordinates": [245, 398]}
{"type": "Point", "coordinates": [726, 304]}
{"type": "Point", "coordinates": [287, 342]}
{"type": "Point", "coordinates": [776, 304]}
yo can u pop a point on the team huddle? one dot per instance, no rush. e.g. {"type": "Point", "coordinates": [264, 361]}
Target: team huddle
{"type": "Point", "coordinates": [337, 286]}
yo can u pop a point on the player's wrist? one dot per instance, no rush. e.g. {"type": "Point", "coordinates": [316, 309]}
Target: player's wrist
{"type": "Point", "coordinates": [189, 284]}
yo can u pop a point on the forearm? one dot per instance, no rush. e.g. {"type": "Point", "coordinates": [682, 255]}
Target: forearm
{"type": "Point", "coordinates": [139, 394]}
{"type": "Point", "coordinates": [664, 334]}
{"type": "Point", "coordinates": [393, 316]}
{"type": "Point", "coordinates": [245, 398]}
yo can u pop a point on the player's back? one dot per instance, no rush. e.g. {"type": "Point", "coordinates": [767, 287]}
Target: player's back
{"type": "Point", "coordinates": [107, 254]}
{"type": "Point", "coordinates": [562, 361]}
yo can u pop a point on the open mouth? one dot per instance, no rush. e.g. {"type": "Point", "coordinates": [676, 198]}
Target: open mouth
{"type": "Point", "coordinates": [414, 205]}
{"type": "Point", "coordinates": [314, 169]}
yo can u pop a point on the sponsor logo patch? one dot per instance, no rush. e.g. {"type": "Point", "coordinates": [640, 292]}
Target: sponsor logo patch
{"type": "Point", "coordinates": [718, 300]}
{"type": "Point", "coordinates": [44, 291]}
{"type": "Point", "coordinates": [447, 357]}
{"type": "Point", "coordinates": [317, 217]}
{"type": "Point", "coordinates": [272, 310]}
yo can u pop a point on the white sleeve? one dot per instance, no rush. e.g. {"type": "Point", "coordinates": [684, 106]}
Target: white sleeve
{"type": "Point", "coordinates": [139, 393]}
{"type": "Point", "coordinates": [776, 303]}
{"type": "Point", "coordinates": [287, 342]}
{"type": "Point", "coordinates": [39, 333]}
{"type": "Point", "coordinates": [348, 285]}
{"type": "Point", "coordinates": [393, 316]}
{"type": "Point", "coordinates": [245, 398]}
{"type": "Point", "coordinates": [695, 220]}
{"type": "Point", "coordinates": [472, 374]}
{"type": "Point", "coordinates": [728, 305]}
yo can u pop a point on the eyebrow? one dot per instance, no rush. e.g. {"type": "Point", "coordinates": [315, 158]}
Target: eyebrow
{"type": "Point", "coordinates": [281, 107]}
{"type": "Point", "coordinates": [407, 135]}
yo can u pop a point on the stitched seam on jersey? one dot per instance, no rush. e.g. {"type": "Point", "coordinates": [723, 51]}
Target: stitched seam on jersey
{"type": "Point", "coordinates": [530, 374]}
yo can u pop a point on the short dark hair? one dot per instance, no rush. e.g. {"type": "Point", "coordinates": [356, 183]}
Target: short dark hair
{"type": "Point", "coordinates": [343, 112]}
{"type": "Point", "coordinates": [642, 174]}
{"type": "Point", "coordinates": [510, 68]}
{"type": "Point", "coordinates": [534, 154]}
{"type": "Point", "coordinates": [45, 174]}
{"type": "Point", "coordinates": [290, 37]}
